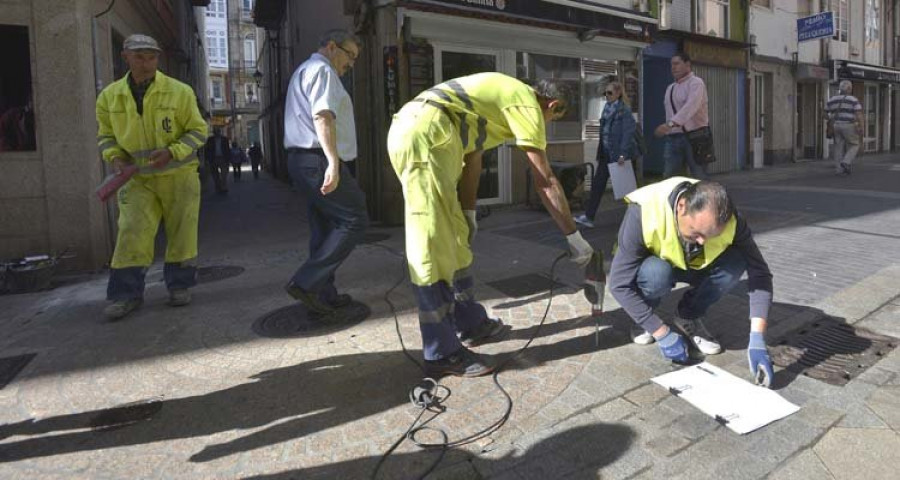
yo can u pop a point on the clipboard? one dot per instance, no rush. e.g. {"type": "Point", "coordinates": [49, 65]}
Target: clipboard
{"type": "Point", "coordinates": [622, 177]}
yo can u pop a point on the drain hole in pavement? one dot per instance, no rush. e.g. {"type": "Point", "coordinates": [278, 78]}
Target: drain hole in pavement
{"type": "Point", "coordinates": [11, 366]}
{"type": "Point", "coordinates": [125, 415]}
{"type": "Point", "coordinates": [296, 321]}
{"type": "Point", "coordinates": [832, 351]}
{"type": "Point", "coordinates": [217, 272]}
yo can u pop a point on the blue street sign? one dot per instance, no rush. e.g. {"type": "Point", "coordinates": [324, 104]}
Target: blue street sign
{"type": "Point", "coordinates": [815, 26]}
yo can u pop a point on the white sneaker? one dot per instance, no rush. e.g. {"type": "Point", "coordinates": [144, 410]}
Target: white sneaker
{"type": "Point", "coordinates": [583, 220]}
{"type": "Point", "coordinates": [641, 336]}
{"type": "Point", "coordinates": [698, 335]}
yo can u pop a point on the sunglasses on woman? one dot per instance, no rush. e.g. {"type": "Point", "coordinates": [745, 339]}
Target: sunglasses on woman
{"type": "Point", "coordinates": [608, 93]}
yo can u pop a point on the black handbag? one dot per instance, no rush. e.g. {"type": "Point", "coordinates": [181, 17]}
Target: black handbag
{"type": "Point", "coordinates": [701, 139]}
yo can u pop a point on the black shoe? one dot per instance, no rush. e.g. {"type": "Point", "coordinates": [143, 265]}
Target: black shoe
{"type": "Point", "coordinates": [462, 363]}
{"type": "Point", "coordinates": [489, 330]}
{"type": "Point", "coordinates": [340, 300]}
{"type": "Point", "coordinates": [309, 299]}
{"type": "Point", "coordinates": [846, 168]}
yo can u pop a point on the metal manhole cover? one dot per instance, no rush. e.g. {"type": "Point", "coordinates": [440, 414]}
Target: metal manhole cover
{"type": "Point", "coordinates": [125, 415]}
{"type": "Point", "coordinates": [11, 366]}
{"type": "Point", "coordinates": [527, 285]}
{"type": "Point", "coordinates": [218, 272]}
{"type": "Point", "coordinates": [831, 351]}
{"type": "Point", "coordinates": [375, 237]}
{"type": "Point", "coordinates": [295, 321]}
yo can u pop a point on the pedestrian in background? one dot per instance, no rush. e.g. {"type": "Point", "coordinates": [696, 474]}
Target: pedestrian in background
{"type": "Point", "coordinates": [687, 110]}
{"type": "Point", "coordinates": [238, 158]}
{"type": "Point", "coordinates": [255, 154]}
{"type": "Point", "coordinates": [152, 121]}
{"type": "Point", "coordinates": [218, 157]}
{"type": "Point", "coordinates": [845, 122]}
{"type": "Point", "coordinates": [320, 136]}
{"type": "Point", "coordinates": [616, 146]}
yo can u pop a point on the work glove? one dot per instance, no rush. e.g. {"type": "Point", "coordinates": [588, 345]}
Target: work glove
{"type": "Point", "coordinates": [760, 364]}
{"type": "Point", "coordinates": [472, 221]}
{"type": "Point", "coordinates": [673, 347]}
{"type": "Point", "coordinates": [580, 250]}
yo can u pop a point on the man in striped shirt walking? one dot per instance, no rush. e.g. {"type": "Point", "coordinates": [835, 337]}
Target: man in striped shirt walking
{"type": "Point", "coordinates": [845, 115]}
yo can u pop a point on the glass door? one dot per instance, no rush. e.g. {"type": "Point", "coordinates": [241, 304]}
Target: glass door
{"type": "Point", "coordinates": [871, 110]}
{"type": "Point", "coordinates": [457, 61]}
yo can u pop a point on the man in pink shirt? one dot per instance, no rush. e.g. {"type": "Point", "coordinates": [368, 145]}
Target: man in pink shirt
{"type": "Point", "coordinates": [686, 110]}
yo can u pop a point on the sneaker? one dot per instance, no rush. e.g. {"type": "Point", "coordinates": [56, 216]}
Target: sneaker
{"type": "Point", "coordinates": [583, 220]}
{"type": "Point", "coordinates": [696, 332]}
{"type": "Point", "coordinates": [179, 297]}
{"type": "Point", "coordinates": [309, 299]}
{"type": "Point", "coordinates": [120, 308]}
{"type": "Point", "coordinates": [490, 329]}
{"type": "Point", "coordinates": [641, 336]}
{"type": "Point", "coordinates": [462, 363]}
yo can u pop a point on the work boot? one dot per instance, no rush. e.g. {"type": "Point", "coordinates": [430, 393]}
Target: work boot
{"type": "Point", "coordinates": [119, 308]}
{"type": "Point", "coordinates": [339, 301]}
{"type": "Point", "coordinates": [696, 333]}
{"type": "Point", "coordinates": [462, 363]}
{"type": "Point", "coordinates": [309, 299]}
{"type": "Point", "coordinates": [179, 297]}
{"type": "Point", "coordinates": [490, 329]}
{"type": "Point", "coordinates": [583, 220]}
{"type": "Point", "coordinates": [641, 336]}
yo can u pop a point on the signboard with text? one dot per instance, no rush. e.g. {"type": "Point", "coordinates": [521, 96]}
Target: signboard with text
{"type": "Point", "coordinates": [815, 26]}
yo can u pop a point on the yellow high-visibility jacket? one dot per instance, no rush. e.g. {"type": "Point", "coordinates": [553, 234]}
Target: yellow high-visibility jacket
{"type": "Point", "coordinates": [170, 120]}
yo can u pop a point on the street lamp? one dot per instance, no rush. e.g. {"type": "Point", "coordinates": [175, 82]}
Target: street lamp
{"type": "Point", "coordinates": [257, 75]}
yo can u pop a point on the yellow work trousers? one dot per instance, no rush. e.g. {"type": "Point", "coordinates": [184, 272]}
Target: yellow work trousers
{"type": "Point", "coordinates": [427, 155]}
{"type": "Point", "coordinates": [173, 198]}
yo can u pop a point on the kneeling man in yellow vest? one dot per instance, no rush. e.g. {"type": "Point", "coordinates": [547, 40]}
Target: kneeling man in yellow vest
{"type": "Point", "coordinates": [685, 230]}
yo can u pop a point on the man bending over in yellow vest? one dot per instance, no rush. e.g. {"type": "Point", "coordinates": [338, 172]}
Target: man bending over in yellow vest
{"type": "Point", "coordinates": [152, 121]}
{"type": "Point", "coordinates": [684, 230]}
{"type": "Point", "coordinates": [436, 143]}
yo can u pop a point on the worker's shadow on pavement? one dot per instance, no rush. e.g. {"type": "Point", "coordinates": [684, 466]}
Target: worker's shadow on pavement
{"type": "Point", "coordinates": [288, 403]}
{"type": "Point", "coordinates": [802, 340]}
{"type": "Point", "coordinates": [576, 453]}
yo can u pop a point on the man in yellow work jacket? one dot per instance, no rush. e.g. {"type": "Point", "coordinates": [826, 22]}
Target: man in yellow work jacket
{"type": "Point", "coordinates": [436, 143]}
{"type": "Point", "coordinates": [685, 230]}
{"type": "Point", "coordinates": [152, 121]}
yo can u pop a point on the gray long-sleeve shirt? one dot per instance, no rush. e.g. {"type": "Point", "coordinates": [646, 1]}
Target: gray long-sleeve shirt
{"type": "Point", "coordinates": [632, 251]}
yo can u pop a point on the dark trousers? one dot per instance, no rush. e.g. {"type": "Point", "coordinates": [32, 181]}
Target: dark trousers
{"type": "Point", "coordinates": [128, 283]}
{"type": "Point", "coordinates": [677, 152]}
{"type": "Point", "coordinates": [337, 221]}
{"type": "Point", "coordinates": [236, 169]}
{"type": "Point", "coordinates": [656, 278]}
{"type": "Point", "coordinates": [598, 186]}
{"type": "Point", "coordinates": [255, 167]}
{"type": "Point", "coordinates": [218, 167]}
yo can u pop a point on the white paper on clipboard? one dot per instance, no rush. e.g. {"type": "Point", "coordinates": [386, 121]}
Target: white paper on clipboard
{"type": "Point", "coordinates": [622, 177]}
{"type": "Point", "coordinates": [731, 401]}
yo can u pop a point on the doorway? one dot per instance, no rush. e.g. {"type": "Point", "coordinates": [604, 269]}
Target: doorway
{"type": "Point", "coordinates": [452, 61]}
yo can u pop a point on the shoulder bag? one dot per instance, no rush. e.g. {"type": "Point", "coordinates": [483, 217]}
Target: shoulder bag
{"type": "Point", "coordinates": [701, 139]}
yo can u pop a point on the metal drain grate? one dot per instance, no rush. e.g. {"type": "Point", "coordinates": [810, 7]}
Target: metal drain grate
{"type": "Point", "coordinates": [831, 351]}
{"type": "Point", "coordinates": [11, 366]}
{"type": "Point", "coordinates": [527, 285]}
{"type": "Point", "coordinates": [125, 415]}
{"type": "Point", "coordinates": [218, 272]}
{"type": "Point", "coordinates": [295, 321]}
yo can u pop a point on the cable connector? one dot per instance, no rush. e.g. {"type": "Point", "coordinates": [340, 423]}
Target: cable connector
{"type": "Point", "coordinates": [423, 395]}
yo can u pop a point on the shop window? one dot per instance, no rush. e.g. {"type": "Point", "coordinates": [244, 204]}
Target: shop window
{"type": "Point", "coordinates": [840, 14]}
{"type": "Point", "coordinates": [16, 101]}
{"type": "Point", "coordinates": [535, 67]}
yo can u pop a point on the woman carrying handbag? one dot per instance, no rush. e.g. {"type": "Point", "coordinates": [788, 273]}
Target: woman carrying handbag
{"type": "Point", "coordinates": [617, 145]}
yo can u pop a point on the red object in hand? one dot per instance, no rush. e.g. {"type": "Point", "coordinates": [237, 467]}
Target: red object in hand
{"type": "Point", "coordinates": [113, 182]}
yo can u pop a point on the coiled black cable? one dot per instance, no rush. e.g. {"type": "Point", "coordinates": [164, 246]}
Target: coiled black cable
{"type": "Point", "coordinates": [435, 403]}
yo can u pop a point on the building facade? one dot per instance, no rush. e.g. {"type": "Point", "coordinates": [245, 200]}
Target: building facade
{"type": "Point", "coordinates": [231, 38]}
{"type": "Point", "coordinates": [57, 57]}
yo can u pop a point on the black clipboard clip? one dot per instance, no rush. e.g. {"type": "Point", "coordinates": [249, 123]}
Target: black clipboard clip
{"type": "Point", "coordinates": [726, 419]}
{"type": "Point", "coordinates": [679, 390]}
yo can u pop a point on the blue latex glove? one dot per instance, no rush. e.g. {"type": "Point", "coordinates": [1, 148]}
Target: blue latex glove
{"type": "Point", "coordinates": [673, 347]}
{"type": "Point", "coordinates": [760, 364]}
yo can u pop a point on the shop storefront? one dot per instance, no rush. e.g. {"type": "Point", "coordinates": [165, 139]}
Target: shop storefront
{"type": "Point", "coordinates": [433, 41]}
{"type": "Point", "coordinates": [875, 87]}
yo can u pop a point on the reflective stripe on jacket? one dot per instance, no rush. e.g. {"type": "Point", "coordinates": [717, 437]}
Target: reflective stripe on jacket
{"type": "Point", "coordinates": [170, 120]}
{"type": "Point", "coordinates": [661, 232]}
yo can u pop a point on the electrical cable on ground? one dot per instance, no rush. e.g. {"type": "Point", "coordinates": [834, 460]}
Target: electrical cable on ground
{"type": "Point", "coordinates": [426, 397]}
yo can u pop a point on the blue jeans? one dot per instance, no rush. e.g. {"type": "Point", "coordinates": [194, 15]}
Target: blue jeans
{"type": "Point", "coordinates": [446, 310]}
{"type": "Point", "coordinates": [337, 221]}
{"type": "Point", "coordinates": [676, 152]}
{"type": "Point", "coordinates": [657, 277]}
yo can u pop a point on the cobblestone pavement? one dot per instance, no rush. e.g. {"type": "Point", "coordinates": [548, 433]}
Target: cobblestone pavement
{"type": "Point", "coordinates": [199, 395]}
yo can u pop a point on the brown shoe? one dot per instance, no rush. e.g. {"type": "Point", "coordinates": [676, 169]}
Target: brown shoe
{"type": "Point", "coordinates": [462, 363]}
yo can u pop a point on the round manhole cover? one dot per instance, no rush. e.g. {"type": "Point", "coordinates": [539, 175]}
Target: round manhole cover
{"type": "Point", "coordinates": [218, 272]}
{"type": "Point", "coordinates": [375, 237]}
{"type": "Point", "coordinates": [296, 321]}
{"type": "Point", "coordinates": [125, 415]}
